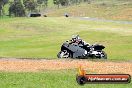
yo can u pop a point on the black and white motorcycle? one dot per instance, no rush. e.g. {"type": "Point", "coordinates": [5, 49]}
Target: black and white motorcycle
{"type": "Point", "coordinates": [79, 50]}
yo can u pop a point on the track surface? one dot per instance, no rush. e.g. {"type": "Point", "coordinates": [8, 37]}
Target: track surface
{"type": "Point", "coordinates": [26, 65]}
{"type": "Point", "coordinates": [105, 20]}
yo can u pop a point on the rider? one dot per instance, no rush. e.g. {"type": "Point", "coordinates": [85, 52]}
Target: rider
{"type": "Point", "coordinates": [76, 39]}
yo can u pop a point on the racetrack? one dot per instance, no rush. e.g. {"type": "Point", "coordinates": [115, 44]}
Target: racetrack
{"type": "Point", "coordinates": [26, 65]}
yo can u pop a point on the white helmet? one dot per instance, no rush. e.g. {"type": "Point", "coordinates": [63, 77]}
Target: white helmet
{"type": "Point", "coordinates": [75, 37]}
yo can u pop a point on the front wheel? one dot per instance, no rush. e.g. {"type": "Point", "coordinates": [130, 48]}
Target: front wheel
{"type": "Point", "coordinates": [64, 54]}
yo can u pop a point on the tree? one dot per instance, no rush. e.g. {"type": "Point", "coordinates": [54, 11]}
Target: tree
{"type": "Point", "coordinates": [42, 4]}
{"type": "Point", "coordinates": [64, 2]}
{"type": "Point", "coordinates": [30, 5]}
{"type": "Point", "coordinates": [88, 1]}
{"type": "Point", "coordinates": [17, 9]}
{"type": "Point", "coordinates": [72, 2]}
{"type": "Point", "coordinates": [61, 2]}
{"type": "Point", "coordinates": [2, 3]}
{"type": "Point", "coordinates": [56, 2]}
{"type": "Point", "coordinates": [45, 3]}
{"type": "Point", "coordinates": [40, 1]}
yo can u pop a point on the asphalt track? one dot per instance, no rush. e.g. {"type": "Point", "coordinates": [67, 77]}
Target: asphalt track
{"type": "Point", "coordinates": [104, 20]}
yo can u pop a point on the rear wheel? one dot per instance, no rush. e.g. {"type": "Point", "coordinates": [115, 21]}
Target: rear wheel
{"type": "Point", "coordinates": [99, 55]}
{"type": "Point", "coordinates": [103, 55]}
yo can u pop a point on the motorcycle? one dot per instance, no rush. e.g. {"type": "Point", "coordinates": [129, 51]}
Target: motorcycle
{"type": "Point", "coordinates": [73, 50]}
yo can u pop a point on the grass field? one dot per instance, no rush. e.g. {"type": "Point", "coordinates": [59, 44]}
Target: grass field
{"type": "Point", "coordinates": [104, 9]}
{"type": "Point", "coordinates": [42, 37]}
{"type": "Point", "coordinates": [48, 79]}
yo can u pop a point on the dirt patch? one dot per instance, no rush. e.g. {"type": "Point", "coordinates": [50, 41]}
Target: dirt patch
{"type": "Point", "coordinates": [124, 14]}
{"type": "Point", "coordinates": [20, 65]}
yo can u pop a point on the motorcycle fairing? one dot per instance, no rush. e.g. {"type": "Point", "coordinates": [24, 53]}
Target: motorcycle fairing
{"type": "Point", "coordinates": [75, 49]}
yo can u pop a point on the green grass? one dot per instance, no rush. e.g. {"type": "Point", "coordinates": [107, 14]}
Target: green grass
{"type": "Point", "coordinates": [104, 9]}
{"type": "Point", "coordinates": [48, 79]}
{"type": "Point", "coordinates": [42, 37]}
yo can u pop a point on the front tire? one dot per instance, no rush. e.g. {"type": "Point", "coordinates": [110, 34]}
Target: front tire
{"type": "Point", "coordinates": [64, 54]}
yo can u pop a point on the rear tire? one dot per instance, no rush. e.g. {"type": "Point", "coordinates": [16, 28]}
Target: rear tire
{"type": "Point", "coordinates": [104, 55]}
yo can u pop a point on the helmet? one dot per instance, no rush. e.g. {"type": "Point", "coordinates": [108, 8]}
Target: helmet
{"type": "Point", "coordinates": [75, 37]}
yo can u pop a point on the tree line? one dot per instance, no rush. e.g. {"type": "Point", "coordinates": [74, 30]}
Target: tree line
{"type": "Point", "coordinates": [69, 2]}
{"type": "Point", "coordinates": [19, 8]}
